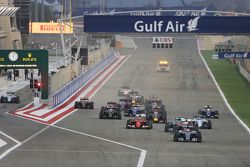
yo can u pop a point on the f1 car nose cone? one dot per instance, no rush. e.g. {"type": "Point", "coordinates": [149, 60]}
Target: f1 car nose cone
{"type": "Point", "coordinates": [138, 124]}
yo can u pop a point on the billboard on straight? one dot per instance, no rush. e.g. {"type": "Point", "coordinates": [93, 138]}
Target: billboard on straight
{"type": "Point", "coordinates": [167, 24]}
{"type": "Point", "coordinates": [233, 55]}
{"type": "Point", "coordinates": [50, 28]}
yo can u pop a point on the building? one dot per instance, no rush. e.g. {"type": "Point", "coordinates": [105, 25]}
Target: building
{"type": "Point", "coordinates": [23, 15]}
{"type": "Point", "coordinates": [10, 37]}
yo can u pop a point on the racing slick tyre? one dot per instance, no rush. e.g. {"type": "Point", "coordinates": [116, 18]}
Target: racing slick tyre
{"type": "Point", "coordinates": [77, 105]}
{"type": "Point", "coordinates": [166, 127]}
{"type": "Point", "coordinates": [175, 137]}
{"type": "Point", "coordinates": [91, 105]}
{"type": "Point", "coordinates": [199, 138]}
{"type": "Point", "coordinates": [17, 100]}
{"type": "Point", "coordinates": [196, 126]}
{"type": "Point", "coordinates": [101, 113]}
{"type": "Point", "coordinates": [150, 124]}
{"type": "Point", "coordinates": [128, 121]}
{"type": "Point", "coordinates": [174, 128]}
{"type": "Point", "coordinates": [209, 124]}
{"type": "Point", "coordinates": [119, 115]}
{"type": "Point", "coordinates": [1, 101]}
{"type": "Point", "coordinates": [217, 113]}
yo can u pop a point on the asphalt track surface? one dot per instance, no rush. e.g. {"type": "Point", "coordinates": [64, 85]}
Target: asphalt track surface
{"type": "Point", "coordinates": [184, 90]}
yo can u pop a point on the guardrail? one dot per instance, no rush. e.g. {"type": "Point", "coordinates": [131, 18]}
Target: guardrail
{"type": "Point", "coordinates": [66, 91]}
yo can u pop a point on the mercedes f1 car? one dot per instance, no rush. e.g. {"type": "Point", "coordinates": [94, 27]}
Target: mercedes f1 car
{"type": "Point", "coordinates": [111, 111]}
{"type": "Point", "coordinates": [139, 122]}
{"type": "Point", "coordinates": [10, 97]}
{"type": "Point", "coordinates": [84, 103]}
{"type": "Point", "coordinates": [178, 122]}
{"type": "Point", "coordinates": [188, 132]}
{"type": "Point", "coordinates": [202, 122]}
{"type": "Point", "coordinates": [208, 112]}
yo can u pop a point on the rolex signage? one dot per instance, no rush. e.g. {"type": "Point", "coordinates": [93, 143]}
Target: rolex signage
{"type": "Point", "coordinates": [31, 59]}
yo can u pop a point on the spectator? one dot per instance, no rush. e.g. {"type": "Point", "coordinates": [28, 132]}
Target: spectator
{"type": "Point", "coordinates": [39, 72]}
{"type": "Point", "coordinates": [9, 75]}
{"type": "Point", "coordinates": [14, 75]}
{"type": "Point", "coordinates": [31, 74]}
{"type": "Point", "coordinates": [26, 72]}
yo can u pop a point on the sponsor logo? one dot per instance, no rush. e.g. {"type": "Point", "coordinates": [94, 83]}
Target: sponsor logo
{"type": "Point", "coordinates": [1, 59]}
{"type": "Point", "coordinates": [192, 24]}
{"type": "Point", "coordinates": [235, 55]}
{"type": "Point", "coordinates": [29, 58]}
{"type": "Point", "coordinates": [170, 26]}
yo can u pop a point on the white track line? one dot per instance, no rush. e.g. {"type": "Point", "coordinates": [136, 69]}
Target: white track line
{"type": "Point", "coordinates": [220, 91]}
{"type": "Point", "coordinates": [10, 149]}
{"type": "Point", "coordinates": [20, 143]}
{"type": "Point", "coordinates": [76, 151]}
{"type": "Point", "coordinates": [142, 154]}
{"type": "Point", "coordinates": [2, 143]}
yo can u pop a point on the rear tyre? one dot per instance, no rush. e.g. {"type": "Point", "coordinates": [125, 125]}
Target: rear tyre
{"type": "Point", "coordinates": [128, 122]}
{"type": "Point", "coordinates": [166, 127]}
{"type": "Point", "coordinates": [209, 124]}
{"type": "Point", "coordinates": [101, 113]}
{"type": "Point", "coordinates": [175, 137]}
{"type": "Point", "coordinates": [119, 115]}
{"type": "Point", "coordinates": [17, 99]}
{"type": "Point", "coordinates": [92, 105]}
{"type": "Point", "coordinates": [150, 125]}
{"type": "Point", "coordinates": [75, 106]}
{"type": "Point", "coordinates": [199, 138]}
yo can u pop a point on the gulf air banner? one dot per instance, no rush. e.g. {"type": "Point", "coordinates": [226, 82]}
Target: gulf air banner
{"type": "Point", "coordinates": [232, 55]}
{"type": "Point", "coordinates": [50, 28]}
{"type": "Point", "coordinates": [167, 24]}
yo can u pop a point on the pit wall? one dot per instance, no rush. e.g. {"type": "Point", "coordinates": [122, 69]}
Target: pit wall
{"type": "Point", "coordinates": [70, 88]}
{"type": "Point", "coordinates": [67, 74]}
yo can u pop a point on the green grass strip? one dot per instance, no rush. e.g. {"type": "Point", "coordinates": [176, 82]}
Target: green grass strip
{"type": "Point", "coordinates": [234, 86]}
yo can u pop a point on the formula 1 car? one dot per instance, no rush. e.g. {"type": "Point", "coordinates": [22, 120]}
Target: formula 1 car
{"type": "Point", "coordinates": [208, 112]}
{"type": "Point", "coordinates": [178, 121]}
{"type": "Point", "coordinates": [163, 66]}
{"type": "Point", "coordinates": [157, 114]}
{"type": "Point", "coordinates": [153, 101]}
{"type": "Point", "coordinates": [124, 91]}
{"type": "Point", "coordinates": [139, 122]}
{"type": "Point", "coordinates": [188, 132]}
{"type": "Point", "coordinates": [202, 123]}
{"type": "Point", "coordinates": [132, 111]}
{"type": "Point", "coordinates": [84, 103]}
{"type": "Point", "coordinates": [10, 97]}
{"type": "Point", "coordinates": [111, 111]}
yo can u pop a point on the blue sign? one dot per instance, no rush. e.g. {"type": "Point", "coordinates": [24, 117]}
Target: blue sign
{"type": "Point", "coordinates": [233, 55]}
{"type": "Point", "coordinates": [167, 24]}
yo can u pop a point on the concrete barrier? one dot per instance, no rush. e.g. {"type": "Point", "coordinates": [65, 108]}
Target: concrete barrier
{"type": "Point", "coordinates": [65, 75]}
{"type": "Point", "coordinates": [66, 91]}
